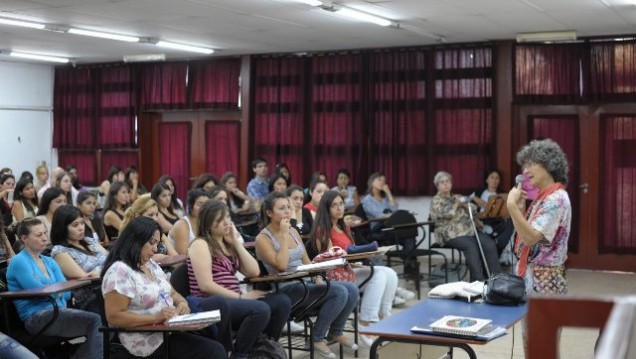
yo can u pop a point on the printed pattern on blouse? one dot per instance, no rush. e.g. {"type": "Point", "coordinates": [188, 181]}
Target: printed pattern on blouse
{"type": "Point", "coordinates": [146, 297]}
{"type": "Point", "coordinates": [553, 217]}
{"type": "Point", "coordinates": [449, 222]}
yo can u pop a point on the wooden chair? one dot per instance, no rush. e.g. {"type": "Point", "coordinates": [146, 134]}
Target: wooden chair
{"type": "Point", "coordinates": [548, 314]}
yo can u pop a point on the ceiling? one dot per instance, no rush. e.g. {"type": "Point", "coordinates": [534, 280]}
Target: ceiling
{"type": "Point", "coordinates": [237, 27]}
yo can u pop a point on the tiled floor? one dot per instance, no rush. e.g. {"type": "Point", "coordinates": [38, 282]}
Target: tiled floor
{"type": "Point", "coordinates": [575, 342]}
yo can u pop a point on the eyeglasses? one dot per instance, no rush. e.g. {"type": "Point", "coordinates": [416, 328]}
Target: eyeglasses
{"type": "Point", "coordinates": [528, 165]}
{"type": "Point", "coordinates": [337, 205]}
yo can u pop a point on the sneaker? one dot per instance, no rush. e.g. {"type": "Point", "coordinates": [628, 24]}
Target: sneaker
{"type": "Point", "coordinates": [294, 327]}
{"type": "Point", "coordinates": [367, 339]}
{"type": "Point", "coordinates": [345, 342]}
{"type": "Point", "coordinates": [323, 349]}
{"type": "Point", "coordinates": [397, 301]}
{"type": "Point", "coordinates": [404, 293]}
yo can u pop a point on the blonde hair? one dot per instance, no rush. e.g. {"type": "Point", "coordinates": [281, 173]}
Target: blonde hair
{"type": "Point", "coordinates": [40, 167]}
{"type": "Point", "coordinates": [141, 205]}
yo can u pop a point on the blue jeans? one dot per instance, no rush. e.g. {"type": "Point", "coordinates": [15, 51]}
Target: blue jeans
{"type": "Point", "coordinates": [250, 318]}
{"type": "Point", "coordinates": [10, 349]}
{"type": "Point", "coordinates": [335, 308]}
{"type": "Point", "coordinates": [71, 323]}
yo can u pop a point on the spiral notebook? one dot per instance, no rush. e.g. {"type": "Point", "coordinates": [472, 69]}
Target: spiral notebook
{"type": "Point", "coordinates": [466, 326]}
{"type": "Point", "coordinates": [208, 317]}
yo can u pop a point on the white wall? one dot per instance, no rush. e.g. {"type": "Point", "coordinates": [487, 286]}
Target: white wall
{"type": "Point", "coordinates": [26, 117]}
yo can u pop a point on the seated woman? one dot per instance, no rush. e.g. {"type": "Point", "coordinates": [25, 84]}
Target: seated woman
{"type": "Point", "coordinates": [7, 188]}
{"type": "Point", "coordinates": [93, 227]}
{"type": "Point", "coordinates": [283, 169]}
{"type": "Point", "coordinates": [145, 206]}
{"type": "Point", "coordinates": [6, 251]}
{"type": "Point", "coordinates": [42, 177]}
{"type": "Point", "coordinates": [115, 174]}
{"type": "Point", "coordinates": [280, 248]}
{"type": "Point", "coordinates": [25, 200]}
{"type": "Point", "coordinates": [175, 203]}
{"type": "Point", "coordinates": [187, 228]}
{"type": "Point", "coordinates": [454, 228]}
{"type": "Point", "coordinates": [205, 181]}
{"type": "Point", "coordinates": [316, 189]}
{"type": "Point", "coordinates": [52, 199]}
{"type": "Point", "coordinates": [117, 201]}
{"type": "Point", "coordinates": [161, 195]}
{"type": "Point", "coordinates": [137, 292]}
{"type": "Point", "coordinates": [278, 183]}
{"type": "Point", "coordinates": [77, 255]}
{"type": "Point", "coordinates": [239, 201]}
{"type": "Point", "coordinates": [499, 227]}
{"type": "Point", "coordinates": [65, 182]}
{"type": "Point", "coordinates": [348, 192]}
{"type": "Point", "coordinates": [329, 230]}
{"type": "Point", "coordinates": [213, 260]}
{"type": "Point", "coordinates": [301, 217]}
{"type": "Point", "coordinates": [131, 177]}
{"type": "Point", "coordinates": [30, 269]}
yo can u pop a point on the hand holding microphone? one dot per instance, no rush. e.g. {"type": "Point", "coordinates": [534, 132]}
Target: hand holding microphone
{"type": "Point", "coordinates": [517, 196]}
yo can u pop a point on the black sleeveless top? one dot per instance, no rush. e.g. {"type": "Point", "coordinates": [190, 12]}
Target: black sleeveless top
{"type": "Point", "coordinates": [111, 231]}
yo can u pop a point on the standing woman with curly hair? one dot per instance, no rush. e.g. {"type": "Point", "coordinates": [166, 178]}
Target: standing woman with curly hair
{"type": "Point", "coordinates": [543, 230]}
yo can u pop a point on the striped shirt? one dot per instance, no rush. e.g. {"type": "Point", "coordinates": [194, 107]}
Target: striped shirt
{"type": "Point", "coordinates": [223, 273]}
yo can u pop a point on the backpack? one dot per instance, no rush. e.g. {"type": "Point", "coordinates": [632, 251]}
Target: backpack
{"type": "Point", "coordinates": [266, 348]}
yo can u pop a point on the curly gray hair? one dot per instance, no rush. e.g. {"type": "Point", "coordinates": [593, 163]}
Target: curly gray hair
{"type": "Point", "coordinates": [549, 155]}
{"type": "Point", "coordinates": [442, 175]}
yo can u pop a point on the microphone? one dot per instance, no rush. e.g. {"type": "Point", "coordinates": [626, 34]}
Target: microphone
{"type": "Point", "coordinates": [519, 180]}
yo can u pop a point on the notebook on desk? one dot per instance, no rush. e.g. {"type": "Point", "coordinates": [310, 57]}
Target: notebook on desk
{"type": "Point", "coordinates": [453, 324]}
{"type": "Point", "coordinates": [210, 317]}
{"type": "Point", "coordinates": [320, 265]}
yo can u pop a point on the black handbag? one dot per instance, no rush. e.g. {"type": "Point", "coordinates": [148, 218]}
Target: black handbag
{"type": "Point", "coordinates": [505, 289]}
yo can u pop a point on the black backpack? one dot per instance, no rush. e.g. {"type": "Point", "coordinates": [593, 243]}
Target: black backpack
{"type": "Point", "coordinates": [266, 348]}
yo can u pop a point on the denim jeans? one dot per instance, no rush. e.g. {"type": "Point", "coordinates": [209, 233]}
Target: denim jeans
{"type": "Point", "coordinates": [468, 245]}
{"type": "Point", "coordinates": [10, 349]}
{"type": "Point", "coordinates": [71, 323]}
{"type": "Point", "coordinates": [335, 307]}
{"type": "Point", "coordinates": [379, 292]}
{"type": "Point", "coordinates": [250, 318]}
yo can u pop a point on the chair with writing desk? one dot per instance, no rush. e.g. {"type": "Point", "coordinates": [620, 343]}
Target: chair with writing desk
{"type": "Point", "coordinates": [44, 346]}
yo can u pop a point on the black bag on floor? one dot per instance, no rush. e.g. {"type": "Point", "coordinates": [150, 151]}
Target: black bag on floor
{"type": "Point", "coordinates": [456, 272]}
{"type": "Point", "coordinates": [266, 348]}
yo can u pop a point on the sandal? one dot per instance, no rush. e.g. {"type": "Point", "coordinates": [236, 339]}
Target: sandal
{"type": "Point", "coordinates": [322, 348]}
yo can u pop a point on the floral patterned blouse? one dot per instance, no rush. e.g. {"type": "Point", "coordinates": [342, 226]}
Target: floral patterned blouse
{"type": "Point", "coordinates": [551, 217]}
{"type": "Point", "coordinates": [449, 222]}
{"type": "Point", "coordinates": [146, 297]}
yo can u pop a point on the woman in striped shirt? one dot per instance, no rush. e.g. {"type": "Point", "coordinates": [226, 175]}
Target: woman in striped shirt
{"type": "Point", "coordinates": [213, 260]}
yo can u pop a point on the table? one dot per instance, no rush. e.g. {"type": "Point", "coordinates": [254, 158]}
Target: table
{"type": "Point", "coordinates": [396, 328]}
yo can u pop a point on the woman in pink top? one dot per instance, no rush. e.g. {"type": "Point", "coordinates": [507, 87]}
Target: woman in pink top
{"type": "Point", "coordinates": [329, 230]}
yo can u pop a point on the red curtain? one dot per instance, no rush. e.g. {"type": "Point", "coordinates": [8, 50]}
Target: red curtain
{"type": "Point", "coordinates": [336, 96]}
{"type": "Point", "coordinates": [397, 119]}
{"type": "Point", "coordinates": [116, 107]}
{"type": "Point", "coordinates": [550, 73]}
{"type": "Point", "coordinates": [175, 139]}
{"type": "Point", "coordinates": [613, 71]}
{"type": "Point", "coordinates": [73, 109]}
{"type": "Point", "coordinates": [84, 161]}
{"type": "Point", "coordinates": [564, 130]}
{"type": "Point", "coordinates": [163, 86]}
{"type": "Point", "coordinates": [462, 127]}
{"type": "Point", "coordinates": [279, 112]}
{"type": "Point", "coordinates": [122, 159]}
{"type": "Point", "coordinates": [617, 207]}
{"type": "Point", "coordinates": [222, 144]}
{"type": "Point", "coordinates": [215, 83]}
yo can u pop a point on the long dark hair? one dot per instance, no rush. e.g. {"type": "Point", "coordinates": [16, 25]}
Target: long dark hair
{"type": "Point", "coordinates": [29, 204]}
{"type": "Point", "coordinates": [48, 196]}
{"type": "Point", "coordinates": [62, 217]}
{"type": "Point", "coordinates": [193, 195]}
{"type": "Point", "coordinates": [321, 228]}
{"type": "Point", "coordinates": [203, 179]}
{"type": "Point", "coordinates": [218, 189]}
{"type": "Point", "coordinates": [131, 240]}
{"type": "Point", "coordinates": [372, 178]}
{"type": "Point", "coordinates": [210, 213]}
{"type": "Point", "coordinates": [156, 192]}
{"type": "Point", "coordinates": [174, 203]}
{"type": "Point", "coordinates": [275, 178]}
{"type": "Point", "coordinates": [233, 199]}
{"type": "Point", "coordinates": [58, 182]}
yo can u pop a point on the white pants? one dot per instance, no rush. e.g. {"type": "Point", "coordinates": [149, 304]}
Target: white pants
{"type": "Point", "coordinates": [379, 292]}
